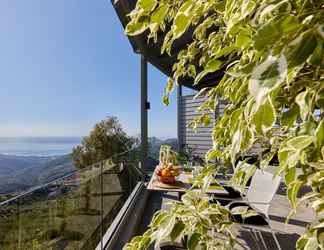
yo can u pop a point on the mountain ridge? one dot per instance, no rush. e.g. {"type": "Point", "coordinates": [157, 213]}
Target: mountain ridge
{"type": "Point", "coordinates": [24, 172]}
{"type": "Point", "coordinates": [20, 173]}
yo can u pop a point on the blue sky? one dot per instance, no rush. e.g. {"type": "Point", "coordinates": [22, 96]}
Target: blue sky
{"type": "Point", "coordinates": [65, 65]}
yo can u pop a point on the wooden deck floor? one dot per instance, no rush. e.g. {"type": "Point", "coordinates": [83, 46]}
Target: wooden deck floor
{"type": "Point", "coordinates": [287, 234]}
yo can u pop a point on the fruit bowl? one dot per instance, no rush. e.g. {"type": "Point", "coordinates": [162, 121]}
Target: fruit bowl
{"type": "Point", "coordinates": [167, 179]}
{"type": "Point", "coordinates": [167, 175]}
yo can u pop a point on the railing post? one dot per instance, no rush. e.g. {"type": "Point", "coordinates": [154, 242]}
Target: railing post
{"type": "Point", "coordinates": [101, 206]}
{"type": "Point", "coordinates": [144, 121]}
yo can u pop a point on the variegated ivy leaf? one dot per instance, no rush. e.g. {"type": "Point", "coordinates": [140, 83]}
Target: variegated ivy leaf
{"type": "Point", "coordinates": [147, 5]}
{"type": "Point", "coordinates": [236, 144]}
{"type": "Point", "coordinates": [244, 211]}
{"type": "Point", "coordinates": [290, 175]}
{"type": "Point", "coordinates": [247, 138]}
{"type": "Point", "coordinates": [320, 30]}
{"type": "Point", "coordinates": [249, 108]}
{"type": "Point", "coordinates": [318, 205]}
{"type": "Point", "coordinates": [165, 229]}
{"type": "Point", "coordinates": [181, 23]}
{"type": "Point", "coordinates": [266, 158]}
{"type": "Point", "coordinates": [299, 142]}
{"type": "Point", "coordinates": [242, 140]}
{"type": "Point", "coordinates": [317, 165]}
{"type": "Point", "coordinates": [201, 93]}
{"type": "Point", "coordinates": [190, 197]}
{"type": "Point", "coordinates": [303, 100]}
{"type": "Point", "coordinates": [308, 197]}
{"type": "Point", "coordinates": [307, 242]}
{"type": "Point", "coordinates": [267, 76]}
{"type": "Point", "coordinates": [265, 117]}
{"type": "Point", "coordinates": [159, 14]}
{"type": "Point", "coordinates": [211, 66]}
{"type": "Point", "coordinates": [242, 174]}
{"type": "Point", "coordinates": [266, 34]}
{"type": "Point", "coordinates": [235, 120]}
{"type": "Point", "coordinates": [243, 40]}
{"type": "Point", "coordinates": [213, 154]}
{"type": "Point", "coordinates": [170, 86]}
{"type": "Point", "coordinates": [183, 19]}
{"type": "Point", "coordinates": [320, 99]}
{"type": "Point", "coordinates": [292, 192]}
{"type": "Point", "coordinates": [200, 32]}
{"type": "Point", "coordinates": [301, 242]}
{"type": "Point", "coordinates": [287, 157]}
{"type": "Point", "coordinates": [208, 105]}
{"type": "Point", "coordinates": [289, 117]}
{"type": "Point", "coordinates": [136, 27]}
{"type": "Point", "coordinates": [186, 7]}
{"type": "Point", "coordinates": [207, 180]}
{"type": "Point", "coordinates": [193, 241]}
{"type": "Point", "coordinates": [248, 7]}
{"type": "Point", "coordinates": [319, 225]}
{"type": "Point", "coordinates": [177, 231]}
{"type": "Point", "coordinates": [205, 119]}
{"type": "Point", "coordinates": [144, 243]}
{"type": "Point", "coordinates": [301, 48]}
{"type": "Point", "coordinates": [273, 30]}
{"type": "Point", "coordinates": [319, 134]}
{"type": "Point", "coordinates": [192, 71]}
{"type": "Point", "coordinates": [270, 9]}
{"type": "Point", "coordinates": [317, 57]}
{"type": "Point", "coordinates": [166, 100]}
{"type": "Point", "coordinates": [291, 151]}
{"type": "Point", "coordinates": [158, 218]}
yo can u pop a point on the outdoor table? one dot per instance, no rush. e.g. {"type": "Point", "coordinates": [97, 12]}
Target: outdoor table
{"type": "Point", "coordinates": [183, 183]}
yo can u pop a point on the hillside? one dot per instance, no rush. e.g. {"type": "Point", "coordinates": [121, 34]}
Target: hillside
{"type": "Point", "coordinates": [10, 164]}
{"type": "Point", "coordinates": [19, 173]}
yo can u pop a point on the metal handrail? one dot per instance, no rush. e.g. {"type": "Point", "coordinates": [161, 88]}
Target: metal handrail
{"type": "Point", "coordinates": [110, 234]}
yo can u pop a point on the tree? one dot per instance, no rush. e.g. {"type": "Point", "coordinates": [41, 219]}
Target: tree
{"type": "Point", "coordinates": [272, 53]}
{"type": "Point", "coordinates": [106, 139]}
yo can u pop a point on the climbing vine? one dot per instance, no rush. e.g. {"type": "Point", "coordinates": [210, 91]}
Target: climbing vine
{"type": "Point", "coordinates": [272, 56]}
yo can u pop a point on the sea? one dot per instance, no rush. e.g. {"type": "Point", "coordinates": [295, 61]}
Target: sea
{"type": "Point", "coordinates": [38, 146]}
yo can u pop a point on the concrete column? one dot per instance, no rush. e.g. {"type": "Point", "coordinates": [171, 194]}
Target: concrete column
{"type": "Point", "coordinates": [144, 120]}
{"type": "Point", "coordinates": [179, 117]}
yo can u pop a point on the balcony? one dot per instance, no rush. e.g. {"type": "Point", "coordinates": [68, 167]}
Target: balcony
{"type": "Point", "coordinates": [104, 205]}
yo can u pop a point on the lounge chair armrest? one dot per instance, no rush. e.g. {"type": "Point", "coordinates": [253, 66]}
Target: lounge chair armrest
{"type": "Point", "coordinates": [260, 203]}
{"type": "Point", "coordinates": [227, 198]}
{"type": "Point", "coordinates": [241, 202]}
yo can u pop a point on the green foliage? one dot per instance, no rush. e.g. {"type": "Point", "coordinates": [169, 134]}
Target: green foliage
{"type": "Point", "coordinates": [242, 174]}
{"type": "Point", "coordinates": [167, 156]}
{"type": "Point", "coordinates": [106, 139]}
{"type": "Point", "coordinates": [272, 54]}
{"type": "Point", "coordinates": [193, 217]}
